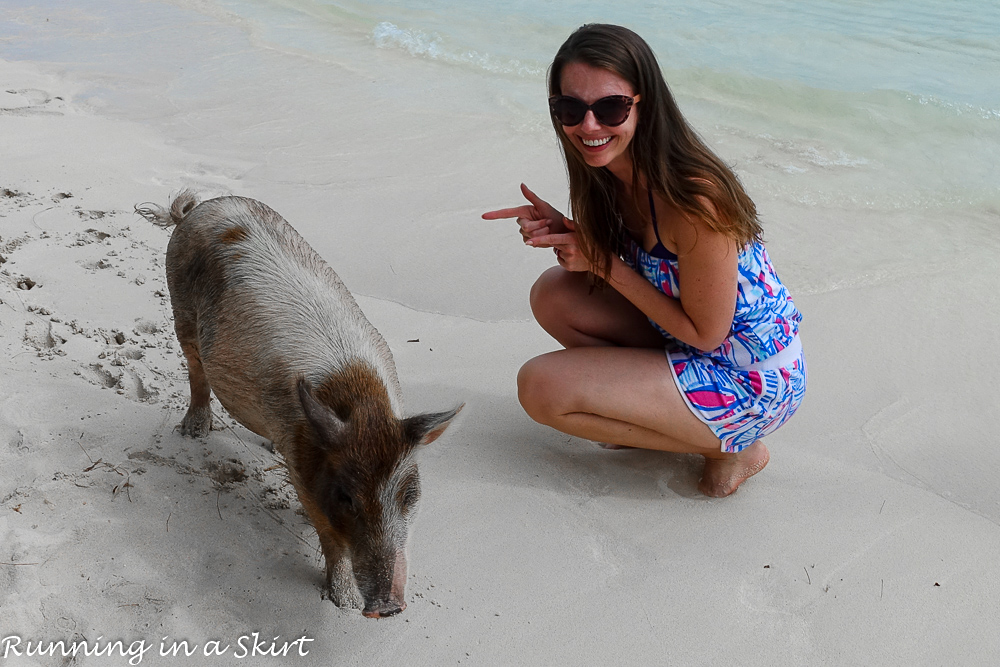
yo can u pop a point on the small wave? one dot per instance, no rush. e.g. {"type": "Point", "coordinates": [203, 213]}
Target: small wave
{"type": "Point", "coordinates": [958, 108]}
{"type": "Point", "coordinates": [420, 44]}
{"type": "Point", "coordinates": [812, 155]}
{"type": "Point", "coordinates": [839, 158]}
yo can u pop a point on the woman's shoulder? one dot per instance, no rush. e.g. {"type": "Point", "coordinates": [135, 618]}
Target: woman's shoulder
{"type": "Point", "coordinates": [688, 228]}
{"type": "Point", "coordinates": [718, 209]}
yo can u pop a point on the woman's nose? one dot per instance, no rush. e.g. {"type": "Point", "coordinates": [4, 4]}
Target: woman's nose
{"type": "Point", "coordinates": [590, 123]}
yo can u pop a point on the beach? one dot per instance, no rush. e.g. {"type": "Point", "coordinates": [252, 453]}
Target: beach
{"type": "Point", "coordinates": [868, 539]}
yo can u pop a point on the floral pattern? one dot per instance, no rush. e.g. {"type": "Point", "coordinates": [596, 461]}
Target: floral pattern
{"type": "Point", "coordinates": [739, 404]}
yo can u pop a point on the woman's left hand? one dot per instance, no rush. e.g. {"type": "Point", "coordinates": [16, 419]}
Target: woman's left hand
{"type": "Point", "coordinates": [567, 249]}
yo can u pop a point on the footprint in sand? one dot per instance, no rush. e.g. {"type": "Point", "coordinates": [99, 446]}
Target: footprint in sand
{"type": "Point", "coordinates": [137, 360]}
{"type": "Point", "coordinates": [27, 102]}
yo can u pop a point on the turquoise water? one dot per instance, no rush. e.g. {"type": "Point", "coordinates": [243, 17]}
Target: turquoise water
{"type": "Point", "coordinates": [896, 103]}
{"type": "Point", "coordinates": [947, 52]}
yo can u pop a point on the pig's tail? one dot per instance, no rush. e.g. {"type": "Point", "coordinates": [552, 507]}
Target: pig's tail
{"type": "Point", "coordinates": [182, 204]}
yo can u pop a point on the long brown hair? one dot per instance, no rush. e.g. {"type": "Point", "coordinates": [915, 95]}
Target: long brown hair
{"type": "Point", "coordinates": [676, 163]}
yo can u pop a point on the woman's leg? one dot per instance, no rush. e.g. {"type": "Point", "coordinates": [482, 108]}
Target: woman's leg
{"type": "Point", "coordinates": [605, 387]}
{"type": "Point", "coordinates": [577, 315]}
{"type": "Point", "coordinates": [627, 396]}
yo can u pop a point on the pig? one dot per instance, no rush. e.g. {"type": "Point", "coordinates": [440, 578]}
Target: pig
{"type": "Point", "coordinates": [268, 326]}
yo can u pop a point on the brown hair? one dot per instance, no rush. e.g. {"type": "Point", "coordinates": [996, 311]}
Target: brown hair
{"type": "Point", "coordinates": [677, 164]}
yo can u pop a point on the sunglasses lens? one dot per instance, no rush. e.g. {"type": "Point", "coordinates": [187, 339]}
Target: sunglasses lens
{"type": "Point", "coordinates": [611, 111]}
{"type": "Point", "coordinates": [569, 111]}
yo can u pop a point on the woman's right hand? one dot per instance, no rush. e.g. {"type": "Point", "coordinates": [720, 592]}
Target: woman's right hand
{"type": "Point", "coordinates": [539, 218]}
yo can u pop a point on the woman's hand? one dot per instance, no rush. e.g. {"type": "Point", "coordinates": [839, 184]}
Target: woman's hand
{"type": "Point", "coordinates": [568, 252]}
{"type": "Point", "coordinates": [542, 226]}
{"type": "Point", "coordinates": [536, 219]}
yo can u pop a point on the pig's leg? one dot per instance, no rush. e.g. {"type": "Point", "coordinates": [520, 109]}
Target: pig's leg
{"type": "Point", "coordinates": [198, 420]}
{"type": "Point", "coordinates": [340, 586]}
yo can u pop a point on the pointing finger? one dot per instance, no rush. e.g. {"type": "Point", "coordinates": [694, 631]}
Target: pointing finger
{"type": "Point", "coordinates": [516, 212]}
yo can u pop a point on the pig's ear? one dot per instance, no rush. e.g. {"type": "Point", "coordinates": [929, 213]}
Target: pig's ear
{"type": "Point", "coordinates": [321, 418]}
{"type": "Point", "coordinates": [426, 428]}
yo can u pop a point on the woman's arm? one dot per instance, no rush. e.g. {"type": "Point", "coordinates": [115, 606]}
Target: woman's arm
{"type": "Point", "coordinates": [708, 276]}
{"type": "Point", "coordinates": [708, 271]}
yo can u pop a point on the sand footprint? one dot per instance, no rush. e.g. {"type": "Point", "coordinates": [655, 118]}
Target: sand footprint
{"type": "Point", "coordinates": [27, 101]}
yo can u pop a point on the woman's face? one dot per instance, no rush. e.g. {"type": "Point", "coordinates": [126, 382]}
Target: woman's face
{"type": "Point", "coordinates": [600, 145]}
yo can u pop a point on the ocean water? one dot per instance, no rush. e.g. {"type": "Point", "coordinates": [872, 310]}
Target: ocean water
{"type": "Point", "coordinates": [880, 106]}
{"type": "Point", "coordinates": [869, 77]}
{"type": "Point", "coordinates": [937, 51]}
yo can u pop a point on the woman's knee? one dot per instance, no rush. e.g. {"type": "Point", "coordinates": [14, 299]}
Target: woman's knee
{"type": "Point", "coordinates": [536, 390]}
{"type": "Point", "coordinates": [552, 292]}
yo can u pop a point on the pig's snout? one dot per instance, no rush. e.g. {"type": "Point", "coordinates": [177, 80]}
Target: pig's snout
{"type": "Point", "coordinates": [389, 598]}
{"type": "Point", "coordinates": [384, 609]}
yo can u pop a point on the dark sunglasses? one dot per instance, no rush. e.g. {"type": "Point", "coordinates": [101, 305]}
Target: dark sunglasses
{"type": "Point", "coordinates": [610, 111]}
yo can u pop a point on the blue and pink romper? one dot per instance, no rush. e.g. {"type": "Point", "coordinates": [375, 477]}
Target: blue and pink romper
{"type": "Point", "coordinates": [752, 383]}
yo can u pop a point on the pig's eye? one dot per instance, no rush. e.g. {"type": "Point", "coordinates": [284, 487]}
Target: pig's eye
{"type": "Point", "coordinates": [410, 496]}
{"type": "Point", "coordinates": [345, 501]}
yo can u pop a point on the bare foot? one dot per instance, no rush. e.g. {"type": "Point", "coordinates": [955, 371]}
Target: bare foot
{"type": "Point", "coordinates": [723, 476]}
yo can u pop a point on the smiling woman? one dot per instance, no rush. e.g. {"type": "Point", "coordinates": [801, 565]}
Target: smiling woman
{"type": "Point", "coordinates": [709, 370]}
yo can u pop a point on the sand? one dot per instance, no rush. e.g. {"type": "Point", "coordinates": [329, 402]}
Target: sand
{"type": "Point", "coordinates": [868, 540]}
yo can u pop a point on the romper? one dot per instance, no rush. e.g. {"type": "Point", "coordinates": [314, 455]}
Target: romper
{"type": "Point", "coordinates": [752, 383]}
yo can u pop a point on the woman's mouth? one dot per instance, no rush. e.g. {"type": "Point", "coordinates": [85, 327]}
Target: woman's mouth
{"type": "Point", "coordinates": [595, 143]}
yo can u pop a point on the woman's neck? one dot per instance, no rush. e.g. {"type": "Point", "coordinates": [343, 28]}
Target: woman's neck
{"type": "Point", "coordinates": [622, 170]}
{"type": "Point", "coordinates": [635, 213]}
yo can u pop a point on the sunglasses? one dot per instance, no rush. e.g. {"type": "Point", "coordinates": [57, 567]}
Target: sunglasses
{"type": "Point", "coordinates": [610, 111]}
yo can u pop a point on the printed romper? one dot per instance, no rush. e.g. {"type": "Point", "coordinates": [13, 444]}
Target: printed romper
{"type": "Point", "coordinates": [752, 383]}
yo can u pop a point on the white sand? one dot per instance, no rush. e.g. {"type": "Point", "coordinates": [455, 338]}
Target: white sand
{"type": "Point", "coordinates": [868, 540]}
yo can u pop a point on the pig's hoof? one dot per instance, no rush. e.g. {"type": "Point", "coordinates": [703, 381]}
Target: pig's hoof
{"type": "Point", "coordinates": [197, 422]}
{"type": "Point", "coordinates": [344, 599]}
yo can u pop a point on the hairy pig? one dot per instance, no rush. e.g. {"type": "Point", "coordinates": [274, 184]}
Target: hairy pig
{"type": "Point", "coordinates": [268, 326]}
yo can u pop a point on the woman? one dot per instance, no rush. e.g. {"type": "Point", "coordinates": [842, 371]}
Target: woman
{"type": "Point", "coordinates": [663, 252]}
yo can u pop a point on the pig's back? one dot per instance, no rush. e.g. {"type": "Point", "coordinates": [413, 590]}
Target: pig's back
{"type": "Point", "coordinates": [269, 309]}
